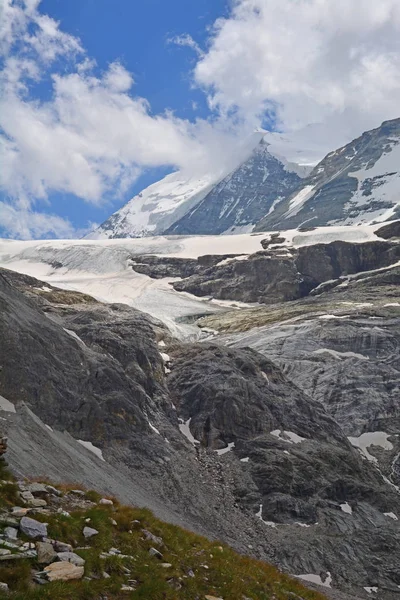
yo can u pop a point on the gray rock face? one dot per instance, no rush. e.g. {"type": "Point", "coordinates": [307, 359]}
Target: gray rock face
{"type": "Point", "coordinates": [242, 198]}
{"type": "Point", "coordinates": [281, 274]}
{"type": "Point", "coordinates": [355, 184]}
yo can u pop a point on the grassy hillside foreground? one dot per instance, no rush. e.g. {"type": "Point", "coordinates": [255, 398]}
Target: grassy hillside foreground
{"type": "Point", "coordinates": [132, 555]}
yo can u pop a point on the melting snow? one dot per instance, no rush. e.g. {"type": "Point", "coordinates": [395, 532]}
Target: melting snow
{"type": "Point", "coordinates": [225, 450]}
{"type": "Point", "coordinates": [340, 355]}
{"type": "Point", "coordinates": [185, 430]}
{"type": "Point", "coordinates": [92, 448]}
{"type": "Point", "coordinates": [391, 515]}
{"type": "Point", "coordinates": [74, 335]}
{"type": "Point", "coordinates": [328, 317]}
{"type": "Point", "coordinates": [316, 579]}
{"type": "Point", "coordinates": [6, 405]}
{"type": "Point", "coordinates": [287, 436]}
{"type": "Point", "coordinates": [375, 438]}
{"type": "Point", "coordinates": [269, 523]}
{"type": "Point", "coordinates": [154, 428]}
{"type": "Point", "coordinates": [346, 508]}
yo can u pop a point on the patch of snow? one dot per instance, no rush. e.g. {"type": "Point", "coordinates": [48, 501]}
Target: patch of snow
{"type": "Point", "coordinates": [48, 427]}
{"type": "Point", "coordinates": [302, 524]}
{"type": "Point", "coordinates": [162, 344]}
{"type": "Point", "coordinates": [340, 355]}
{"type": "Point", "coordinates": [74, 335]}
{"type": "Point", "coordinates": [391, 304]}
{"type": "Point", "coordinates": [375, 438]}
{"type": "Point", "coordinates": [44, 288]}
{"type": "Point", "coordinates": [228, 448]}
{"type": "Point", "coordinates": [329, 317]}
{"type": "Point", "coordinates": [154, 428]}
{"type": "Point", "coordinates": [316, 579]}
{"type": "Point", "coordinates": [371, 590]}
{"type": "Point", "coordinates": [269, 523]}
{"type": "Point", "coordinates": [299, 200]}
{"type": "Point", "coordinates": [185, 430]}
{"type": "Point", "coordinates": [245, 460]}
{"type": "Point", "coordinates": [265, 376]}
{"type": "Point", "coordinates": [6, 405]}
{"type": "Point", "coordinates": [391, 515]}
{"type": "Point", "coordinates": [226, 261]}
{"type": "Point", "coordinates": [92, 448]}
{"type": "Point", "coordinates": [166, 358]}
{"type": "Point", "coordinates": [287, 436]}
{"type": "Point", "coordinates": [346, 508]}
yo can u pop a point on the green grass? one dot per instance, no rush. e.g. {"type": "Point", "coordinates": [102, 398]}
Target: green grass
{"type": "Point", "coordinates": [218, 570]}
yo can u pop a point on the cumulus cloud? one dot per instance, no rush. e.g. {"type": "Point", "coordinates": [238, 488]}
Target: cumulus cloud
{"type": "Point", "coordinates": [322, 71]}
{"type": "Point", "coordinates": [306, 61]}
{"type": "Point", "coordinates": [93, 137]}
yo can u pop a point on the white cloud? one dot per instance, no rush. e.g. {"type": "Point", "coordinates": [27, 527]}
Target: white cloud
{"type": "Point", "coordinates": [186, 40]}
{"type": "Point", "coordinates": [307, 61]}
{"type": "Point", "coordinates": [93, 137]}
{"type": "Point", "coordinates": [22, 223]}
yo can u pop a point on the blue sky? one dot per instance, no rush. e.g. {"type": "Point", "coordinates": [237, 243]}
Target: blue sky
{"type": "Point", "coordinates": [99, 98]}
{"type": "Point", "coordinates": [138, 35]}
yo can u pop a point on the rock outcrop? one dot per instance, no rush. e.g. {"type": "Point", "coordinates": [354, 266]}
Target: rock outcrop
{"type": "Point", "coordinates": [281, 274]}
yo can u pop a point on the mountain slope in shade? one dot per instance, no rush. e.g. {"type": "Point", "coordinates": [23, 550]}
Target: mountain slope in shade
{"type": "Point", "coordinates": [243, 197]}
{"type": "Point", "coordinates": [358, 183]}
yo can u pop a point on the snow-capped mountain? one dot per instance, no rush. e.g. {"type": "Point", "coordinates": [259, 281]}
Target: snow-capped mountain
{"type": "Point", "coordinates": [214, 203]}
{"type": "Point", "coordinates": [237, 202]}
{"type": "Point", "coordinates": [156, 208]}
{"type": "Point", "coordinates": [358, 183]}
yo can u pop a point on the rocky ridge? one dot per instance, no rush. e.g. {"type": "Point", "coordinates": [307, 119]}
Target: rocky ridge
{"type": "Point", "coordinates": [355, 184]}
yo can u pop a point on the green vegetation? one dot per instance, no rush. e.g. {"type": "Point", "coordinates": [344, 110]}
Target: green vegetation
{"type": "Point", "coordinates": [190, 566]}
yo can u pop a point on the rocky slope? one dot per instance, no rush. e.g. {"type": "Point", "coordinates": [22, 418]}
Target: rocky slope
{"type": "Point", "coordinates": [358, 183]}
{"type": "Point", "coordinates": [61, 543]}
{"type": "Point", "coordinates": [248, 445]}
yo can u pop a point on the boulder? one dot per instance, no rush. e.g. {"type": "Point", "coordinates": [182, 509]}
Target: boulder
{"type": "Point", "coordinates": [32, 528]}
{"type": "Point", "coordinates": [63, 571]}
{"type": "Point", "coordinates": [37, 503]}
{"type": "Point", "coordinates": [11, 533]}
{"type": "Point", "coordinates": [38, 489]}
{"type": "Point", "coordinates": [156, 553]}
{"type": "Point", "coordinates": [17, 511]}
{"type": "Point", "coordinates": [89, 532]}
{"type": "Point", "coordinates": [61, 546]}
{"type": "Point", "coordinates": [106, 502]}
{"type": "Point", "coordinates": [72, 558]}
{"type": "Point", "coordinates": [153, 538]}
{"type": "Point", "coordinates": [45, 553]}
